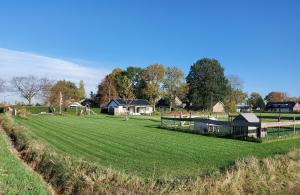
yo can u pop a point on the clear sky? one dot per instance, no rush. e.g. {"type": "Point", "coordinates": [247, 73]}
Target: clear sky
{"type": "Point", "coordinates": [256, 40]}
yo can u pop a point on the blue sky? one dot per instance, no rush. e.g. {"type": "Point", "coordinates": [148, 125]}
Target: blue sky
{"type": "Point", "coordinates": [256, 40]}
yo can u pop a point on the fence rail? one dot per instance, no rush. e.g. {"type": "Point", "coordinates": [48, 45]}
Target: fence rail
{"type": "Point", "coordinates": [229, 127]}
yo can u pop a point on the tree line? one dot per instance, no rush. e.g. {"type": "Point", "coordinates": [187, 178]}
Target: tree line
{"type": "Point", "coordinates": [47, 91]}
{"type": "Point", "coordinates": [204, 85]}
{"type": "Point", "coordinates": [148, 83]}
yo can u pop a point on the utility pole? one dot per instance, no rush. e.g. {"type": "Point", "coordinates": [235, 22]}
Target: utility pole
{"type": "Point", "coordinates": [60, 101]}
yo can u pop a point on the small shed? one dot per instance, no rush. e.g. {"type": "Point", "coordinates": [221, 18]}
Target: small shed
{"type": "Point", "coordinates": [219, 107]}
{"type": "Point", "coordinates": [247, 125]}
{"type": "Point", "coordinates": [75, 105]}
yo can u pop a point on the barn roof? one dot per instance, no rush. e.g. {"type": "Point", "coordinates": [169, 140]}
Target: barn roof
{"type": "Point", "coordinates": [249, 117]}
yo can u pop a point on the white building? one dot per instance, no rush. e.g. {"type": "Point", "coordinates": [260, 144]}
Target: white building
{"type": "Point", "coordinates": [131, 107]}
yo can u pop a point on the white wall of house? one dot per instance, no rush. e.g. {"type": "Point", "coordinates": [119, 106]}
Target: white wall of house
{"type": "Point", "coordinates": [133, 110]}
{"type": "Point", "coordinates": [137, 110]}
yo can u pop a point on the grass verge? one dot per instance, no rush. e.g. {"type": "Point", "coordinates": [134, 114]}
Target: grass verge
{"type": "Point", "coordinates": [15, 176]}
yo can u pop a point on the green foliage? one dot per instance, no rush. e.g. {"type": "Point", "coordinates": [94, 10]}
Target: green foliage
{"type": "Point", "coordinates": [231, 106]}
{"type": "Point", "coordinates": [134, 74]}
{"type": "Point", "coordinates": [172, 83]}
{"type": "Point", "coordinates": [127, 91]}
{"type": "Point", "coordinates": [257, 101]}
{"type": "Point", "coordinates": [207, 83]}
{"type": "Point", "coordinates": [69, 92]}
{"type": "Point", "coordinates": [261, 103]}
{"type": "Point", "coordinates": [154, 76]}
{"type": "Point", "coordinates": [138, 147]}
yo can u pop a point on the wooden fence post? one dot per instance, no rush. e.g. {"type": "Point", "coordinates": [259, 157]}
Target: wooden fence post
{"type": "Point", "coordinates": [278, 129]}
{"type": "Point", "coordinates": [180, 124]}
{"type": "Point", "coordinates": [161, 120]}
{"type": "Point", "coordinates": [294, 125]}
{"type": "Point", "coordinates": [175, 121]}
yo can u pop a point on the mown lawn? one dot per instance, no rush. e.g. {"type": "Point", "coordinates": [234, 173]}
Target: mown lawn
{"type": "Point", "coordinates": [139, 147]}
{"type": "Point", "coordinates": [15, 177]}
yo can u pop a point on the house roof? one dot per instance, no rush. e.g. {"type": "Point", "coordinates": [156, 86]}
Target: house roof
{"type": "Point", "coordinates": [249, 117]}
{"type": "Point", "coordinates": [219, 102]}
{"type": "Point", "coordinates": [274, 105]}
{"type": "Point", "coordinates": [134, 102]}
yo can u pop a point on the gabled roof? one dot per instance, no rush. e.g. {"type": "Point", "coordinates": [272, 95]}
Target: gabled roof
{"type": "Point", "coordinates": [134, 102]}
{"type": "Point", "coordinates": [249, 117]}
{"type": "Point", "coordinates": [219, 102]}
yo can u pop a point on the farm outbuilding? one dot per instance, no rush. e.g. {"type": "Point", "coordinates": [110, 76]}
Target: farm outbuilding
{"type": "Point", "coordinates": [247, 124]}
{"type": "Point", "coordinates": [208, 126]}
{"type": "Point", "coordinates": [219, 107]}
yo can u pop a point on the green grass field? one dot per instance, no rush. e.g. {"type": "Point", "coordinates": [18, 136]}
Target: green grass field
{"type": "Point", "coordinates": [15, 176]}
{"type": "Point", "coordinates": [140, 148]}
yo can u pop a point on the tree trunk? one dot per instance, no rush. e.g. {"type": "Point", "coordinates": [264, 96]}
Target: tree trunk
{"type": "Point", "coordinates": [29, 100]}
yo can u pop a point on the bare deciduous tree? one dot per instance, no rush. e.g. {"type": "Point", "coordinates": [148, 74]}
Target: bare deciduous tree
{"type": "Point", "coordinates": [28, 87]}
{"type": "Point", "coordinates": [45, 92]}
{"type": "Point", "coordinates": [235, 82]}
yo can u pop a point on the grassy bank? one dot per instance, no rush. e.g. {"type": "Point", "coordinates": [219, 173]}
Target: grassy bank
{"type": "Point", "coordinates": [15, 176]}
{"type": "Point", "coordinates": [71, 175]}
